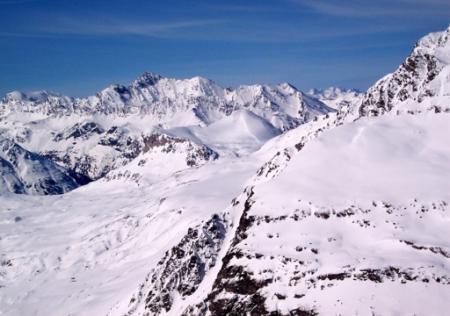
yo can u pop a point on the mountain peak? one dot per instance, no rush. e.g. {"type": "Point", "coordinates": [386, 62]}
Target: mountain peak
{"type": "Point", "coordinates": [433, 41]}
{"type": "Point", "coordinates": [147, 79]}
{"type": "Point", "coordinates": [201, 80]}
{"type": "Point", "coordinates": [419, 83]}
{"type": "Point", "coordinates": [288, 86]}
{"type": "Point", "coordinates": [15, 95]}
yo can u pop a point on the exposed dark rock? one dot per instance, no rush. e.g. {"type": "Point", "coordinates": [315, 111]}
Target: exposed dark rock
{"type": "Point", "coordinates": [79, 130]}
{"type": "Point", "coordinates": [183, 267]}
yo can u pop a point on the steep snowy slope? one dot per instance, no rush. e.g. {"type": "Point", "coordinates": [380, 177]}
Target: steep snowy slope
{"type": "Point", "coordinates": [22, 171]}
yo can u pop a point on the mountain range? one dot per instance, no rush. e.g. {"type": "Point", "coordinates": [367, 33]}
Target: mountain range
{"type": "Point", "coordinates": [180, 197]}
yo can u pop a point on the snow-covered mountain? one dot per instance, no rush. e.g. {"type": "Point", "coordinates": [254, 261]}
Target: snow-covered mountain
{"type": "Point", "coordinates": [97, 134]}
{"type": "Point", "coordinates": [173, 102]}
{"type": "Point", "coordinates": [421, 82]}
{"type": "Point", "coordinates": [22, 171]}
{"type": "Point", "coordinates": [337, 98]}
{"type": "Point", "coordinates": [252, 209]}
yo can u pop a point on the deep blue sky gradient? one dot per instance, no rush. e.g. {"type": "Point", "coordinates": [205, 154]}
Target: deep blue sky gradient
{"type": "Point", "coordinates": [78, 47]}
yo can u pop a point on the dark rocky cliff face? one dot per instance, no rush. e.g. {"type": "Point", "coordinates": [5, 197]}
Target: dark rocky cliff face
{"type": "Point", "coordinates": [182, 269]}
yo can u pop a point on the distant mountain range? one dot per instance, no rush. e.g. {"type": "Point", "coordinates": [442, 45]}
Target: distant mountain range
{"type": "Point", "coordinates": [90, 137]}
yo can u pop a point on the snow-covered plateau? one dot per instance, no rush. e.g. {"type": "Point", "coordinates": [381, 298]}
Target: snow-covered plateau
{"type": "Point", "coordinates": [180, 197]}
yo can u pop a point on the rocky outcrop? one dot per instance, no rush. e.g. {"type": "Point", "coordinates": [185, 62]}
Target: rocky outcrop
{"type": "Point", "coordinates": [182, 268]}
{"type": "Point", "coordinates": [416, 80]}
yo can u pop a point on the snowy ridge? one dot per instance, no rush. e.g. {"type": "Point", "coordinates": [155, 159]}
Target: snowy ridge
{"type": "Point", "coordinates": [420, 83]}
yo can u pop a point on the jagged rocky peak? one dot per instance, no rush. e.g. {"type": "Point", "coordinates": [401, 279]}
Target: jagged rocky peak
{"type": "Point", "coordinates": [206, 86]}
{"type": "Point", "coordinates": [165, 86]}
{"type": "Point", "coordinates": [433, 41]}
{"type": "Point", "coordinates": [161, 154]}
{"type": "Point", "coordinates": [420, 83]}
{"type": "Point", "coordinates": [146, 79]}
{"type": "Point", "coordinates": [195, 154]}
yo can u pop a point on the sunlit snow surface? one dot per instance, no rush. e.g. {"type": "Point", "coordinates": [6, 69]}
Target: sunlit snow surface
{"type": "Point", "coordinates": [392, 158]}
{"type": "Point", "coordinates": [82, 252]}
{"type": "Point", "coordinates": [85, 252]}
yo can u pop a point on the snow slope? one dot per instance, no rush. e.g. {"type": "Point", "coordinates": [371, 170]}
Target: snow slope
{"type": "Point", "coordinates": [240, 133]}
{"type": "Point", "coordinates": [393, 158]}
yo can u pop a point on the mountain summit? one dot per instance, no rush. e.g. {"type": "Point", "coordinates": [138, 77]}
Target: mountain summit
{"type": "Point", "coordinates": [421, 81]}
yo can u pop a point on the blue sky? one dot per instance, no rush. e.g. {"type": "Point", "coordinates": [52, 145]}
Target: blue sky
{"type": "Point", "coordinates": [78, 47]}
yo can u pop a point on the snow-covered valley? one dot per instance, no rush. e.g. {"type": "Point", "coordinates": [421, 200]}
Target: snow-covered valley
{"type": "Point", "coordinates": [180, 197]}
